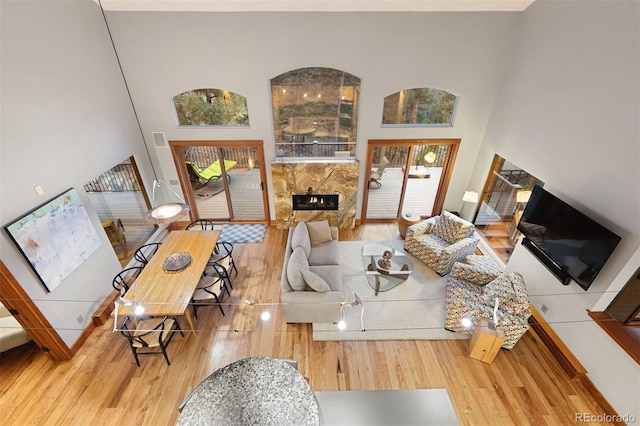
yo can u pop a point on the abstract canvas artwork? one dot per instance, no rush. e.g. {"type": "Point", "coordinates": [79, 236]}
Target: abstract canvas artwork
{"type": "Point", "coordinates": [55, 237]}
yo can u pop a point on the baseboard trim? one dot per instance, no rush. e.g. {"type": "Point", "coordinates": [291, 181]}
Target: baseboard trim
{"type": "Point", "coordinates": [569, 363]}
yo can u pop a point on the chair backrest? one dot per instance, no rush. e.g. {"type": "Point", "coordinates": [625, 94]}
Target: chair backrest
{"type": "Point", "coordinates": [145, 338]}
{"type": "Point", "coordinates": [201, 225]}
{"type": "Point", "coordinates": [193, 170]}
{"type": "Point", "coordinates": [123, 280]}
{"type": "Point", "coordinates": [383, 164]}
{"type": "Point", "coordinates": [146, 252]}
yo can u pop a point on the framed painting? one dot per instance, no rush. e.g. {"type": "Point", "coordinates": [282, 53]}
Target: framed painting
{"type": "Point", "coordinates": [55, 237]}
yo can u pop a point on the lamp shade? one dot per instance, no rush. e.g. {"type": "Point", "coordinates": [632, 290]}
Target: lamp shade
{"type": "Point", "coordinates": [430, 157]}
{"type": "Point", "coordinates": [523, 196]}
{"type": "Point", "coordinates": [166, 213]}
{"type": "Point", "coordinates": [470, 197]}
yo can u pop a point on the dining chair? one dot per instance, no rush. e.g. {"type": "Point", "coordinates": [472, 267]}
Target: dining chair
{"type": "Point", "coordinates": [201, 225]}
{"type": "Point", "coordinates": [210, 290]}
{"type": "Point", "coordinates": [146, 252]}
{"type": "Point", "coordinates": [123, 279]}
{"type": "Point", "coordinates": [223, 255]}
{"type": "Point", "coordinates": [149, 334]}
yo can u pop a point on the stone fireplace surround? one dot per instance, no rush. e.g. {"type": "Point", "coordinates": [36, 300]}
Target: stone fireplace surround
{"type": "Point", "coordinates": [295, 177]}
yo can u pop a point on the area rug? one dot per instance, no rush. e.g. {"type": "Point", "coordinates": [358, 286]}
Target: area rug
{"type": "Point", "coordinates": [414, 310]}
{"type": "Point", "coordinates": [251, 233]}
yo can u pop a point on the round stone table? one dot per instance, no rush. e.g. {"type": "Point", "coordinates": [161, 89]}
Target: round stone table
{"type": "Point", "coordinates": [406, 220]}
{"type": "Point", "coordinates": [252, 391]}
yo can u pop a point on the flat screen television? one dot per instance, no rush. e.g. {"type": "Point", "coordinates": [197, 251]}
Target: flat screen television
{"type": "Point", "coordinates": [571, 244]}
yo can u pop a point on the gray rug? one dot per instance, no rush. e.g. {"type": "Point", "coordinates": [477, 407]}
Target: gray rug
{"type": "Point", "coordinates": [412, 311]}
{"type": "Point", "coordinates": [243, 233]}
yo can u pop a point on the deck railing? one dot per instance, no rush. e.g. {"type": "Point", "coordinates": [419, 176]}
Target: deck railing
{"type": "Point", "coordinates": [119, 179]}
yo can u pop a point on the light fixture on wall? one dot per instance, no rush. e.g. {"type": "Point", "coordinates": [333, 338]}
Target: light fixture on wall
{"type": "Point", "coordinates": [430, 158]}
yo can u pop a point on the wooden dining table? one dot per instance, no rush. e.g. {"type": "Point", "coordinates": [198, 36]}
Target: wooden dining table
{"type": "Point", "coordinates": [165, 293]}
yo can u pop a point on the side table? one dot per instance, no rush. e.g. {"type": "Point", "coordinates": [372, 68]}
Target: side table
{"type": "Point", "coordinates": [485, 341]}
{"type": "Point", "coordinates": [405, 220]}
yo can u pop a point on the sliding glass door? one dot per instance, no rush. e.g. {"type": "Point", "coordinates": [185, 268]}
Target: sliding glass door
{"type": "Point", "coordinates": [414, 178]}
{"type": "Point", "coordinates": [223, 180]}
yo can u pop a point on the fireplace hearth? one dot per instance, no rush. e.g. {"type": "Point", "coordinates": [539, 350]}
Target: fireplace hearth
{"type": "Point", "coordinates": [315, 202]}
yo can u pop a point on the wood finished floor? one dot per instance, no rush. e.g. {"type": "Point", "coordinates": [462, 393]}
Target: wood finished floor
{"type": "Point", "coordinates": [102, 385]}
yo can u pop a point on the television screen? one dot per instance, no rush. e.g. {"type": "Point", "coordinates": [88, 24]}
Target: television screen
{"type": "Point", "coordinates": [574, 243]}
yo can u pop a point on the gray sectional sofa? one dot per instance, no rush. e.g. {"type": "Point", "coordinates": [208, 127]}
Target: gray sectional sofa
{"type": "Point", "coordinates": [311, 275]}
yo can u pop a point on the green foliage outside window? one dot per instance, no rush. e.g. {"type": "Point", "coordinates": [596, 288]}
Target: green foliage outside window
{"type": "Point", "coordinates": [423, 106]}
{"type": "Point", "coordinates": [211, 107]}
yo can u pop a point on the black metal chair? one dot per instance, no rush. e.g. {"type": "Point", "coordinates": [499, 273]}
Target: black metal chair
{"type": "Point", "coordinates": [123, 279]}
{"type": "Point", "coordinates": [146, 252]}
{"type": "Point", "coordinates": [223, 255]}
{"type": "Point", "coordinates": [210, 290]}
{"type": "Point", "coordinates": [200, 225]}
{"type": "Point", "coordinates": [151, 333]}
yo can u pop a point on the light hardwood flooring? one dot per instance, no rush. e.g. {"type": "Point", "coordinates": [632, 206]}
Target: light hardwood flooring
{"type": "Point", "coordinates": [103, 385]}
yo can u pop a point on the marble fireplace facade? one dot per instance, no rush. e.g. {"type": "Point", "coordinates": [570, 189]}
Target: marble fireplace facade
{"type": "Point", "coordinates": [315, 177]}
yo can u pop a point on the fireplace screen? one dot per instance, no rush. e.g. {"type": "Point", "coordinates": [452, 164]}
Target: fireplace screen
{"type": "Point", "coordinates": [315, 202]}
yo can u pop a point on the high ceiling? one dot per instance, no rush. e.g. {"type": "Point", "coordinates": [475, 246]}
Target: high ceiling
{"type": "Point", "coordinates": [317, 5]}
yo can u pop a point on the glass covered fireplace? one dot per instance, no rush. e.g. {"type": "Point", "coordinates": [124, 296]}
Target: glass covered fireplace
{"type": "Point", "coordinates": [315, 202]}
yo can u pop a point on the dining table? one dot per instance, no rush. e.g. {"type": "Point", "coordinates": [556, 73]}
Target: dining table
{"type": "Point", "coordinates": [166, 284]}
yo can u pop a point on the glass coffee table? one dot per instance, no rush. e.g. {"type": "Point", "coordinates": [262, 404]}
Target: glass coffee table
{"type": "Point", "coordinates": [384, 276]}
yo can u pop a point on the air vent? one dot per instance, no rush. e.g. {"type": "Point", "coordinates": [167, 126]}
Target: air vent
{"type": "Point", "coordinates": [159, 139]}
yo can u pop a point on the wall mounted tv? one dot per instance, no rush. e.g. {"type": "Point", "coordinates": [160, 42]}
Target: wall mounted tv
{"type": "Point", "coordinates": [569, 243]}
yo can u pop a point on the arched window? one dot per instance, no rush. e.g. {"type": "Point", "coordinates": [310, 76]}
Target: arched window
{"type": "Point", "coordinates": [211, 107]}
{"type": "Point", "coordinates": [315, 112]}
{"type": "Point", "coordinates": [422, 107]}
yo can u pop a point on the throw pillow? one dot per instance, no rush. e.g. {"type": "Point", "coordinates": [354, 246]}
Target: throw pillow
{"type": "Point", "coordinates": [300, 238]}
{"type": "Point", "coordinates": [501, 287]}
{"type": "Point", "coordinates": [319, 232]}
{"type": "Point", "coordinates": [297, 263]}
{"type": "Point", "coordinates": [451, 228]}
{"type": "Point", "coordinates": [315, 281]}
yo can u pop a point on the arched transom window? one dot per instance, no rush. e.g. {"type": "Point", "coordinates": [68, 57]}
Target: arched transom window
{"type": "Point", "coordinates": [315, 112]}
{"type": "Point", "coordinates": [420, 107]}
{"type": "Point", "coordinates": [211, 107]}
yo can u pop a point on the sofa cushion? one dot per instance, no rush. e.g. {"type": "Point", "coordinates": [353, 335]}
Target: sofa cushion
{"type": "Point", "coordinates": [300, 238]}
{"type": "Point", "coordinates": [332, 274]}
{"type": "Point", "coordinates": [451, 228]}
{"type": "Point", "coordinates": [319, 232]}
{"type": "Point", "coordinates": [315, 281]}
{"type": "Point", "coordinates": [297, 262]}
{"type": "Point", "coordinates": [325, 254]}
{"type": "Point", "coordinates": [500, 287]}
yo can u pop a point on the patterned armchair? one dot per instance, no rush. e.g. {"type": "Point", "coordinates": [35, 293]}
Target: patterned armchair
{"type": "Point", "coordinates": [472, 288]}
{"type": "Point", "coordinates": [440, 241]}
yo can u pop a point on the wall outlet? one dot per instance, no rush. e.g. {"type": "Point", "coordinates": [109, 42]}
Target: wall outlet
{"type": "Point", "coordinates": [173, 182]}
{"type": "Point", "coordinates": [80, 319]}
{"type": "Point", "coordinates": [544, 309]}
{"type": "Point", "coordinates": [39, 190]}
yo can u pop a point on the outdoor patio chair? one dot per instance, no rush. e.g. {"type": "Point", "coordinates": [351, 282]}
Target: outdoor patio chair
{"type": "Point", "coordinates": [374, 180]}
{"type": "Point", "coordinates": [211, 173]}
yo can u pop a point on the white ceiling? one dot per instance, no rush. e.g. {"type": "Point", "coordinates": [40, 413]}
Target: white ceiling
{"type": "Point", "coordinates": [316, 5]}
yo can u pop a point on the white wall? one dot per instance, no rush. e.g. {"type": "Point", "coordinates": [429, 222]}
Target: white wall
{"type": "Point", "coordinates": [66, 118]}
{"type": "Point", "coordinates": [568, 114]}
{"type": "Point", "coordinates": [164, 54]}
